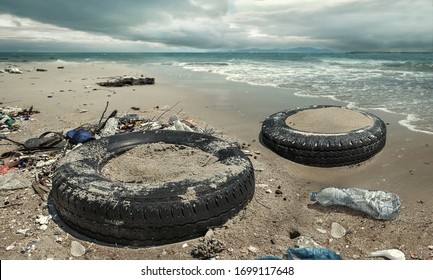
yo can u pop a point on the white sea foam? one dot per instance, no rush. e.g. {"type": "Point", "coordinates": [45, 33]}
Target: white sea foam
{"type": "Point", "coordinates": [408, 122]}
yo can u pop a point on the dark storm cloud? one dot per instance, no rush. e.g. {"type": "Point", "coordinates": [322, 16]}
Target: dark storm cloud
{"type": "Point", "coordinates": [212, 24]}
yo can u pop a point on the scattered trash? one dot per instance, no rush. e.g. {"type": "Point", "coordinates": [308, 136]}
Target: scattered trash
{"type": "Point", "coordinates": [306, 254]}
{"type": "Point", "coordinates": [127, 81]}
{"type": "Point", "coordinates": [43, 220]}
{"type": "Point", "coordinates": [177, 124]}
{"type": "Point", "coordinates": [79, 136]}
{"type": "Point", "coordinates": [10, 247]}
{"type": "Point", "coordinates": [110, 127]}
{"type": "Point", "coordinates": [28, 249]}
{"type": "Point", "coordinates": [306, 242]}
{"type": "Point", "coordinates": [378, 204]}
{"type": "Point", "coordinates": [13, 70]}
{"type": "Point", "coordinates": [54, 141]}
{"type": "Point", "coordinates": [6, 120]}
{"type": "Point", "coordinates": [312, 254]}
{"type": "Point", "coordinates": [391, 254]}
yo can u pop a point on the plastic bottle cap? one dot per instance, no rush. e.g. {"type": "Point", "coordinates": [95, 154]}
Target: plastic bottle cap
{"type": "Point", "coordinates": [313, 196]}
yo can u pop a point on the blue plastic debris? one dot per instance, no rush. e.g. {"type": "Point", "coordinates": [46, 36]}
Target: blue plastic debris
{"type": "Point", "coordinates": [312, 254]}
{"type": "Point", "coordinates": [79, 136]}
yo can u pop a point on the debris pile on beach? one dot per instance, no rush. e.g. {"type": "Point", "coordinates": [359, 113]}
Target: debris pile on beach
{"type": "Point", "coordinates": [12, 70]}
{"type": "Point", "coordinates": [38, 155]}
{"type": "Point", "coordinates": [8, 116]}
{"type": "Point", "coordinates": [127, 81]}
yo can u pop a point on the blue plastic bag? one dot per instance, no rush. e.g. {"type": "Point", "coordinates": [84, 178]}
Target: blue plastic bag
{"type": "Point", "coordinates": [79, 136]}
{"type": "Point", "coordinates": [312, 254]}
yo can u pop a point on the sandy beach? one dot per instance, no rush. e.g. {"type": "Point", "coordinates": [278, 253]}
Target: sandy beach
{"type": "Point", "coordinates": [67, 96]}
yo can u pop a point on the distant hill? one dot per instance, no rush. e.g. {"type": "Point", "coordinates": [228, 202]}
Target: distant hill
{"type": "Point", "coordinates": [290, 50]}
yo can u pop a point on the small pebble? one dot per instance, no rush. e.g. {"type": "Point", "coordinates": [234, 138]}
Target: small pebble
{"type": "Point", "coordinates": [43, 227]}
{"type": "Point", "coordinates": [337, 230]}
{"type": "Point", "coordinates": [23, 231]}
{"type": "Point", "coordinates": [253, 249]}
{"type": "Point", "coordinates": [77, 250]}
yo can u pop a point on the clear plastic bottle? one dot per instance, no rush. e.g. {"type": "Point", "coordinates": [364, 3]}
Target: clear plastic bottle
{"type": "Point", "coordinates": [378, 204]}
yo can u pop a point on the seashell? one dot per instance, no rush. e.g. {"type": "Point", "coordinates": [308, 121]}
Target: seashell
{"type": "Point", "coordinates": [391, 254]}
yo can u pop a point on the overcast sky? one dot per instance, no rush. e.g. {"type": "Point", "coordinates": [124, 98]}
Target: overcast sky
{"type": "Point", "coordinates": [201, 25]}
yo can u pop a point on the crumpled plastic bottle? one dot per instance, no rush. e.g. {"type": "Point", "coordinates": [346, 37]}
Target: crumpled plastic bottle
{"type": "Point", "coordinates": [378, 204]}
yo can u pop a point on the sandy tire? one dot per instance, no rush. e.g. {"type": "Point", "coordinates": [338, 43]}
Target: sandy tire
{"type": "Point", "coordinates": [323, 149]}
{"type": "Point", "coordinates": [134, 214]}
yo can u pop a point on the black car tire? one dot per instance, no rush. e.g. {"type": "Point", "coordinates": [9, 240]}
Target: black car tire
{"type": "Point", "coordinates": [131, 214]}
{"type": "Point", "coordinates": [322, 149]}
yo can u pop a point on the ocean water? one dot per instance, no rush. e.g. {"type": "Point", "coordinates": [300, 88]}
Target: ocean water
{"type": "Point", "coordinates": [395, 82]}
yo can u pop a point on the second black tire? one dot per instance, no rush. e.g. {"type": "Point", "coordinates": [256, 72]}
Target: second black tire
{"type": "Point", "coordinates": [133, 214]}
{"type": "Point", "coordinates": [321, 149]}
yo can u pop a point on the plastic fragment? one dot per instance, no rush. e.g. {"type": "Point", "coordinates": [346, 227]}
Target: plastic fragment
{"type": "Point", "coordinates": [312, 254]}
{"type": "Point", "coordinates": [390, 254]}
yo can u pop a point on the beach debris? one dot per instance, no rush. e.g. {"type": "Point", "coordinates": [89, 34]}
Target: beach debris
{"type": "Point", "coordinates": [312, 254]}
{"type": "Point", "coordinates": [306, 242]}
{"type": "Point", "coordinates": [378, 204]}
{"type": "Point", "coordinates": [13, 70]}
{"type": "Point", "coordinates": [110, 127]}
{"type": "Point", "coordinates": [127, 81]}
{"type": "Point", "coordinates": [28, 249]}
{"type": "Point", "coordinates": [10, 247]}
{"type": "Point", "coordinates": [77, 249]}
{"type": "Point", "coordinates": [43, 220]}
{"type": "Point", "coordinates": [79, 136]}
{"type": "Point", "coordinates": [337, 230]}
{"type": "Point", "coordinates": [306, 254]}
{"type": "Point", "coordinates": [41, 70]}
{"type": "Point", "coordinates": [6, 120]}
{"type": "Point", "coordinates": [390, 254]}
{"type": "Point", "coordinates": [176, 124]}
{"type": "Point", "coordinates": [10, 115]}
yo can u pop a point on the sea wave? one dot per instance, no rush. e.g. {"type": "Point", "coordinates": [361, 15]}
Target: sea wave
{"type": "Point", "coordinates": [403, 87]}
